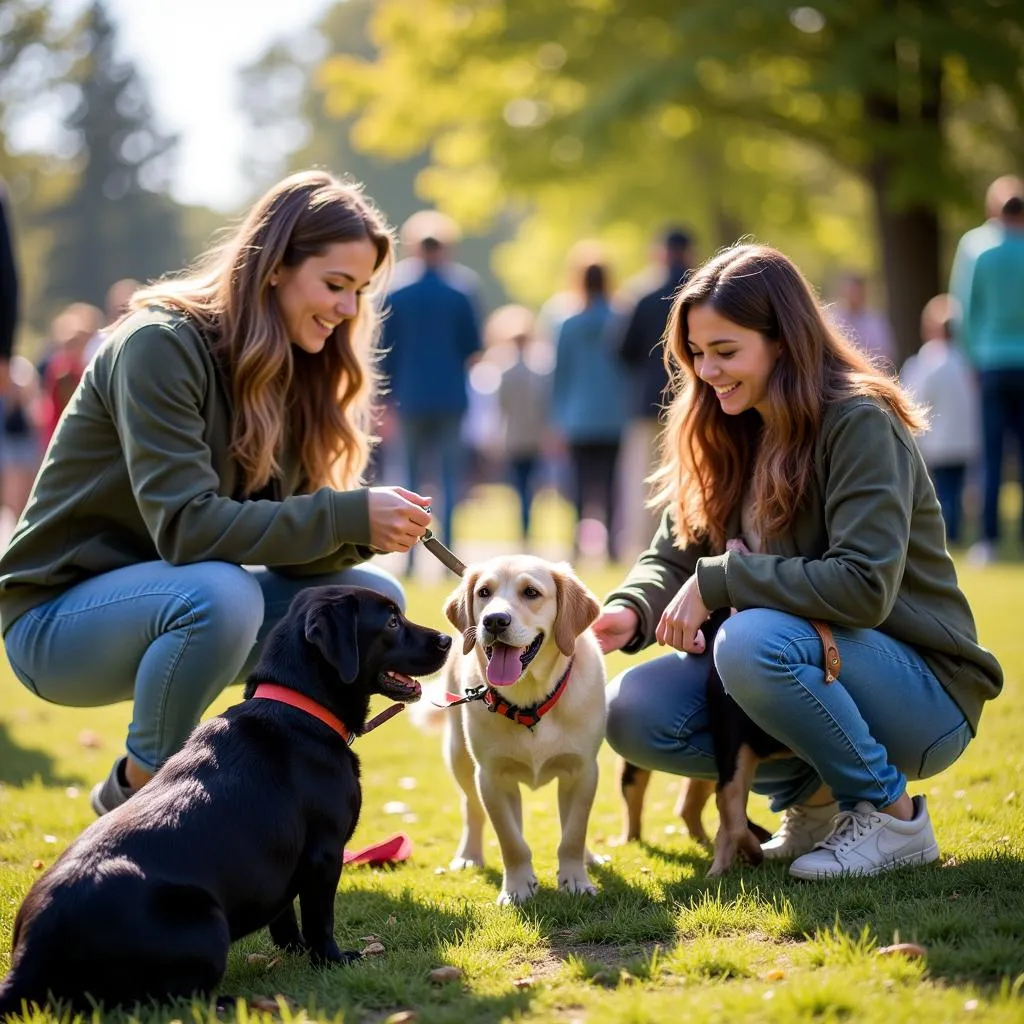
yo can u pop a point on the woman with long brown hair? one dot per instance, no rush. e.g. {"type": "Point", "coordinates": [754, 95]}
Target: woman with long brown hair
{"type": "Point", "coordinates": [207, 468]}
{"type": "Point", "coordinates": [784, 439]}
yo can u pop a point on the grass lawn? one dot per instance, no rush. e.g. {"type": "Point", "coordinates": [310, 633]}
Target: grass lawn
{"type": "Point", "coordinates": [658, 943]}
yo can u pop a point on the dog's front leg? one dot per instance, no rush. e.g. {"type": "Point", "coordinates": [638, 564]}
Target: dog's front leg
{"type": "Point", "coordinates": [284, 931]}
{"type": "Point", "coordinates": [470, 851]}
{"type": "Point", "coordinates": [316, 898]}
{"type": "Point", "coordinates": [504, 806]}
{"type": "Point", "coordinates": [576, 791]}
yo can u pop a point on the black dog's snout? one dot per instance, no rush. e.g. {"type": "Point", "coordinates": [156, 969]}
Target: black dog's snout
{"type": "Point", "coordinates": [496, 622]}
{"type": "Point", "coordinates": [444, 641]}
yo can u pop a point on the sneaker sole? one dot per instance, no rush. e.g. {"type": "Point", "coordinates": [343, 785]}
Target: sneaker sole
{"type": "Point", "coordinates": [911, 859]}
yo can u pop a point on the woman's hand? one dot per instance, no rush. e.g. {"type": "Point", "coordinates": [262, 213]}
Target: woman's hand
{"type": "Point", "coordinates": [681, 621]}
{"type": "Point", "coordinates": [615, 627]}
{"type": "Point", "coordinates": [397, 518]}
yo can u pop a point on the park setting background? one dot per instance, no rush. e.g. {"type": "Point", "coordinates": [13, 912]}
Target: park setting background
{"type": "Point", "coordinates": [851, 135]}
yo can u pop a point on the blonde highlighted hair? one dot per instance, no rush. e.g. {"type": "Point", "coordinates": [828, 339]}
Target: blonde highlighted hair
{"type": "Point", "coordinates": [320, 403]}
{"type": "Point", "coordinates": [707, 456]}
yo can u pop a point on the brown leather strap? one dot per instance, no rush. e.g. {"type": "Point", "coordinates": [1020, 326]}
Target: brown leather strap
{"type": "Point", "coordinates": [833, 663]}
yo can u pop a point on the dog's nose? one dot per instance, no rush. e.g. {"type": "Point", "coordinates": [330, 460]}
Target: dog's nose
{"type": "Point", "coordinates": [444, 641]}
{"type": "Point", "coordinates": [497, 621]}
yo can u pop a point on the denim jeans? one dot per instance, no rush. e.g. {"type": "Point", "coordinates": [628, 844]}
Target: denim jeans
{"type": "Point", "coordinates": [167, 637]}
{"type": "Point", "coordinates": [1002, 416]}
{"type": "Point", "coordinates": [886, 719]}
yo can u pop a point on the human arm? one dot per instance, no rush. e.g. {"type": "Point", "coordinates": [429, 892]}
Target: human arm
{"type": "Point", "coordinates": [162, 428]}
{"type": "Point", "coordinates": [868, 493]}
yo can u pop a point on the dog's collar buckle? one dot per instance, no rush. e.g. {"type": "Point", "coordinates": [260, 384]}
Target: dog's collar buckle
{"type": "Point", "coordinates": [526, 716]}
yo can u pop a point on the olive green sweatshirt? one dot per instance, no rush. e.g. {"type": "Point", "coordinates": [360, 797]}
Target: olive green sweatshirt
{"type": "Point", "coordinates": [139, 470]}
{"type": "Point", "coordinates": [866, 549]}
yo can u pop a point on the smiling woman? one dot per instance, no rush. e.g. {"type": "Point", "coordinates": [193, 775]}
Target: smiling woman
{"type": "Point", "coordinates": [207, 469]}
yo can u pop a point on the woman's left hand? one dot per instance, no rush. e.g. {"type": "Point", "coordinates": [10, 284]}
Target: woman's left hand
{"type": "Point", "coordinates": [680, 623]}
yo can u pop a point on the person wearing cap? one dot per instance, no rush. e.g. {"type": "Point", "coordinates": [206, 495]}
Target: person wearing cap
{"type": "Point", "coordinates": [988, 280]}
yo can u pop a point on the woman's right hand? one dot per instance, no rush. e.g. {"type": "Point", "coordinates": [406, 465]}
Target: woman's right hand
{"type": "Point", "coordinates": [398, 518]}
{"type": "Point", "coordinates": [615, 627]}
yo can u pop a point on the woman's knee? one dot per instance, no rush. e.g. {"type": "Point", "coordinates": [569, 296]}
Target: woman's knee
{"type": "Point", "coordinates": [228, 605]}
{"type": "Point", "coordinates": [744, 645]}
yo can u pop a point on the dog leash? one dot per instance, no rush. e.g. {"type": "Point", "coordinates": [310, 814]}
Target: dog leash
{"type": "Point", "coordinates": [446, 557]}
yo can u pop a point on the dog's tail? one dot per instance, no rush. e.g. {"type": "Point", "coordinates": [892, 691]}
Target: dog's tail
{"type": "Point", "coordinates": [427, 714]}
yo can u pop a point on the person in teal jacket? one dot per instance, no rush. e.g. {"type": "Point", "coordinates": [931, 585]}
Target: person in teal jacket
{"type": "Point", "coordinates": [207, 469]}
{"type": "Point", "coordinates": [793, 490]}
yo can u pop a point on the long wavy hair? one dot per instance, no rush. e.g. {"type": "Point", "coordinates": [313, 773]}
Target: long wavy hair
{"type": "Point", "coordinates": [707, 456]}
{"type": "Point", "coordinates": [322, 403]}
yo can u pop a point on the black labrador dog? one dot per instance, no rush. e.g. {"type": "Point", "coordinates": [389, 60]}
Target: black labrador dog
{"type": "Point", "coordinates": [254, 811]}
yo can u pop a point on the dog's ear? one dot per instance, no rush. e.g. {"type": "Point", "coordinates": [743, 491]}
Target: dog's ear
{"type": "Point", "coordinates": [459, 610]}
{"type": "Point", "coordinates": [332, 627]}
{"type": "Point", "coordinates": [577, 608]}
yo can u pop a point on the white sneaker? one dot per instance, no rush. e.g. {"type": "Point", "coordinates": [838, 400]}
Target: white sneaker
{"type": "Point", "coordinates": [865, 841]}
{"type": "Point", "coordinates": [801, 830]}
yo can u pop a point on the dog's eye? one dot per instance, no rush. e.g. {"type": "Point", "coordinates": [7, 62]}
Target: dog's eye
{"type": "Point", "coordinates": [393, 622]}
{"type": "Point", "coordinates": [531, 593]}
{"type": "Point", "coordinates": [484, 592]}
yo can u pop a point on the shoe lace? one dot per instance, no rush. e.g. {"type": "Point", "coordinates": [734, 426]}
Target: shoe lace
{"type": "Point", "coordinates": [848, 827]}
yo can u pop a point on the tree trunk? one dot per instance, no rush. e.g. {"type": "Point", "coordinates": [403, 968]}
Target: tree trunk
{"type": "Point", "coordinates": [909, 235]}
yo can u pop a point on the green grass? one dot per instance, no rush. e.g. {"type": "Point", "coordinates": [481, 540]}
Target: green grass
{"type": "Point", "coordinates": [659, 942]}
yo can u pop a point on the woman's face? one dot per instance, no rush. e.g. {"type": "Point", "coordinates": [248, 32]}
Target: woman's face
{"type": "Point", "coordinates": [323, 291]}
{"type": "Point", "coordinates": [736, 361]}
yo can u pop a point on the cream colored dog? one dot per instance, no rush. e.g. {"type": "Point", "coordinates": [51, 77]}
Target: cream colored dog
{"type": "Point", "coordinates": [539, 715]}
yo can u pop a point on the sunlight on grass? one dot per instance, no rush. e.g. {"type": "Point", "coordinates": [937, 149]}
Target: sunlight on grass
{"type": "Point", "coordinates": [659, 942]}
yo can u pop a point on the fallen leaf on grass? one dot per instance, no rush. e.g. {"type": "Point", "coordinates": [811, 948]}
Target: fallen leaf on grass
{"type": "Point", "coordinates": [908, 949]}
{"type": "Point", "coordinates": [90, 739]}
{"type": "Point", "coordinates": [374, 949]}
{"type": "Point", "coordinates": [403, 1017]}
{"type": "Point", "coordinates": [38, 865]}
{"type": "Point", "coordinates": [271, 1003]}
{"type": "Point", "coordinates": [439, 975]}
{"type": "Point", "coordinates": [523, 982]}
{"type": "Point", "coordinates": [777, 975]}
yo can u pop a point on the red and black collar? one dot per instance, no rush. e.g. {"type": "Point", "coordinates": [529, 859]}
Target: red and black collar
{"type": "Point", "coordinates": [528, 716]}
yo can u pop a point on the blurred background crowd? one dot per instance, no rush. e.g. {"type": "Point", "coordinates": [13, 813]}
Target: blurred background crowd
{"type": "Point", "coordinates": [554, 172]}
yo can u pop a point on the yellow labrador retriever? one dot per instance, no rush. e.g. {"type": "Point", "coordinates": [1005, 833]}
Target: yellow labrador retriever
{"type": "Point", "coordinates": [531, 678]}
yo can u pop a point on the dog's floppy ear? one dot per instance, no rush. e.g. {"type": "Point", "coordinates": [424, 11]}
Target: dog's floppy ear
{"type": "Point", "coordinates": [577, 608]}
{"type": "Point", "coordinates": [331, 626]}
{"type": "Point", "coordinates": [459, 610]}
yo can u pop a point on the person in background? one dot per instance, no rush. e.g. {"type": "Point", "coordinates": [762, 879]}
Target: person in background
{"type": "Point", "coordinates": [642, 351]}
{"type": "Point", "coordinates": [206, 470]}
{"type": "Point", "coordinates": [589, 405]}
{"type": "Point", "coordinates": [782, 435]}
{"type": "Point", "coordinates": [524, 398]}
{"type": "Point", "coordinates": [116, 304]}
{"type": "Point", "coordinates": [20, 447]}
{"type": "Point", "coordinates": [868, 328]}
{"type": "Point", "coordinates": [9, 285]}
{"type": "Point", "coordinates": [70, 333]}
{"type": "Point", "coordinates": [991, 334]}
{"type": "Point", "coordinates": [940, 380]}
{"type": "Point", "coordinates": [430, 334]}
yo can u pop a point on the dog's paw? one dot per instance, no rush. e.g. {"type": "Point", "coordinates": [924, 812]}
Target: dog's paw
{"type": "Point", "coordinates": [460, 863]}
{"type": "Point", "coordinates": [577, 883]}
{"type": "Point", "coordinates": [515, 892]}
{"type": "Point", "coordinates": [332, 956]}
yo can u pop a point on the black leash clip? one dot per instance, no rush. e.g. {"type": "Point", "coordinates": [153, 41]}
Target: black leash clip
{"type": "Point", "coordinates": [473, 693]}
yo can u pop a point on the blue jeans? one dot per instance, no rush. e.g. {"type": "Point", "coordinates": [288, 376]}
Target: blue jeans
{"type": "Point", "coordinates": [427, 437]}
{"type": "Point", "coordinates": [886, 719]}
{"type": "Point", "coordinates": [1002, 415]}
{"type": "Point", "coordinates": [167, 637]}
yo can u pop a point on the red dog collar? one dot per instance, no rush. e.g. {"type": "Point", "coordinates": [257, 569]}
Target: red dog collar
{"type": "Point", "coordinates": [526, 716]}
{"type": "Point", "coordinates": [271, 691]}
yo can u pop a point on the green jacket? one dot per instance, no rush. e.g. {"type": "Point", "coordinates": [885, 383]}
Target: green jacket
{"type": "Point", "coordinates": [139, 470]}
{"type": "Point", "coordinates": [867, 549]}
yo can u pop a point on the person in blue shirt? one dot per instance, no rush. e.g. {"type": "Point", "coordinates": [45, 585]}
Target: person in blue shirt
{"type": "Point", "coordinates": [430, 333]}
{"type": "Point", "coordinates": [992, 337]}
{"type": "Point", "coordinates": [590, 402]}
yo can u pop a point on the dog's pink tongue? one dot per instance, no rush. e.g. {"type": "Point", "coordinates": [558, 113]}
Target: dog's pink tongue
{"type": "Point", "coordinates": [504, 667]}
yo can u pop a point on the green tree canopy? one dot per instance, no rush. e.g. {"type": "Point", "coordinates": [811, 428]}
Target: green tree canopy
{"type": "Point", "coordinates": [798, 124]}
